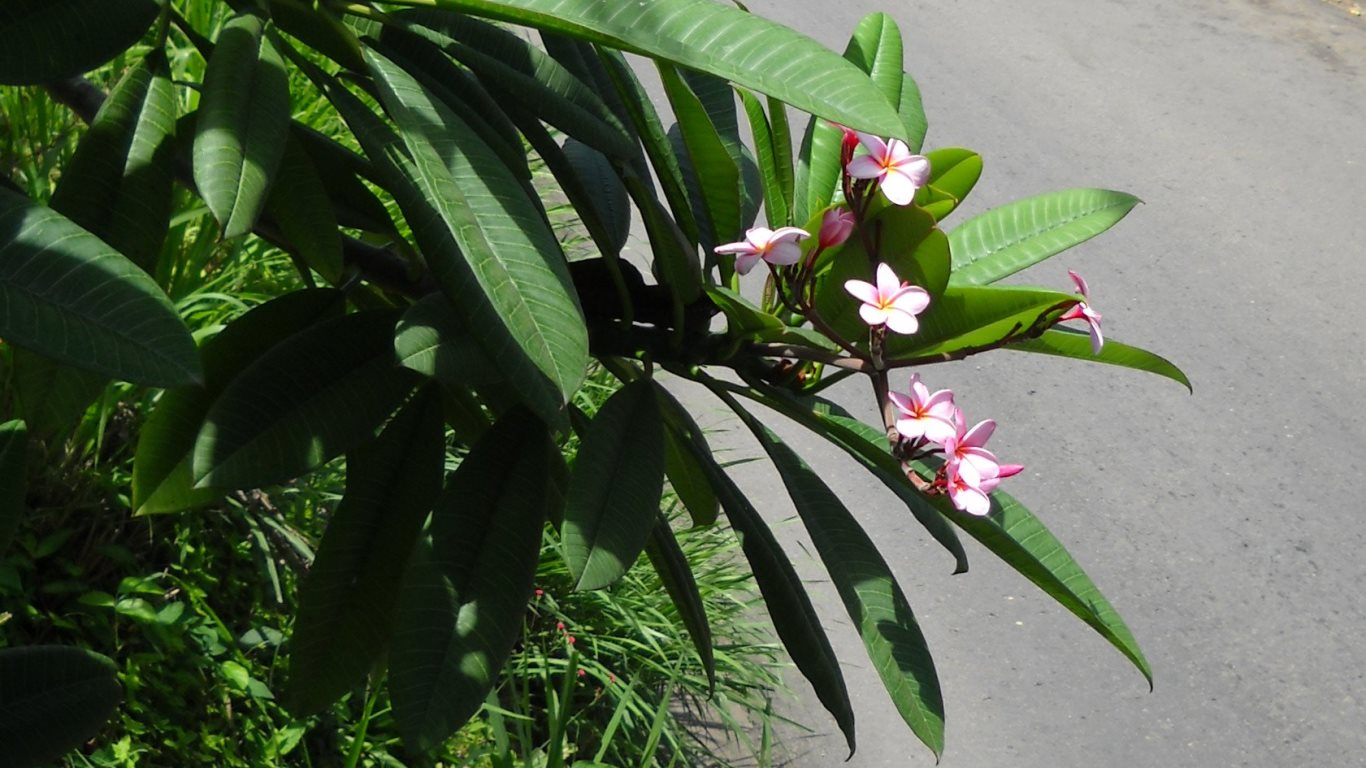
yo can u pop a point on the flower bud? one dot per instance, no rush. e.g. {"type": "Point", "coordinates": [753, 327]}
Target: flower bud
{"type": "Point", "coordinates": [836, 225]}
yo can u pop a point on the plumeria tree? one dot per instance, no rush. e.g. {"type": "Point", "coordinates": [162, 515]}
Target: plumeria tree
{"type": "Point", "coordinates": [438, 305]}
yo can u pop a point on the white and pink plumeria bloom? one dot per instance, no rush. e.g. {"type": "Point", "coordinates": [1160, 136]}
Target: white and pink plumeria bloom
{"type": "Point", "coordinates": [924, 416]}
{"type": "Point", "coordinates": [779, 247]}
{"type": "Point", "coordinates": [889, 302]}
{"type": "Point", "coordinates": [968, 447]}
{"type": "Point", "coordinates": [965, 489]}
{"type": "Point", "coordinates": [898, 172]}
{"type": "Point", "coordinates": [1083, 311]}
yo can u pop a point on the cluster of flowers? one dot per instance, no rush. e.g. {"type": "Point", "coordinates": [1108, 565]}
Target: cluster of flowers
{"type": "Point", "coordinates": [970, 471]}
{"type": "Point", "coordinates": [927, 423]}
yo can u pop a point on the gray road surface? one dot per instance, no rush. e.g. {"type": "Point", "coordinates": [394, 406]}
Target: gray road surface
{"type": "Point", "coordinates": [1229, 527]}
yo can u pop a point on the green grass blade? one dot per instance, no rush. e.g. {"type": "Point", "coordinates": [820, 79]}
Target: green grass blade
{"type": "Point", "coordinates": [241, 126]}
{"type": "Point", "coordinates": [65, 294]}
{"type": "Point", "coordinates": [1005, 240]}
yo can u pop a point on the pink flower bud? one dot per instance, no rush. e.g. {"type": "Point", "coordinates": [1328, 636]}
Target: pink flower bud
{"type": "Point", "coordinates": [836, 225]}
{"type": "Point", "coordinates": [569, 639]}
{"type": "Point", "coordinates": [560, 626]}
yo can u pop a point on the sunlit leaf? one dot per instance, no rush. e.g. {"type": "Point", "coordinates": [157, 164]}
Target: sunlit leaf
{"type": "Point", "coordinates": [1064, 342]}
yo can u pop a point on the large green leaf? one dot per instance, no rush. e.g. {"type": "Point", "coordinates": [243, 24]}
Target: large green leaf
{"type": "Point", "coordinates": [968, 318]}
{"type": "Point", "coordinates": [68, 295]}
{"type": "Point", "coordinates": [464, 596]}
{"type": "Point", "coordinates": [776, 192]}
{"type": "Point", "coordinates": [789, 607]}
{"type": "Point", "coordinates": [675, 573]}
{"type": "Point", "coordinates": [46, 40]}
{"type": "Point", "coordinates": [868, 589]}
{"type": "Point", "coordinates": [953, 173]}
{"type": "Point", "coordinates": [719, 40]}
{"type": "Point", "coordinates": [342, 171]}
{"type": "Point", "coordinates": [688, 480]}
{"type": "Point", "coordinates": [614, 488]}
{"type": "Point", "coordinates": [13, 478]}
{"type": "Point", "coordinates": [1005, 240]}
{"type": "Point", "coordinates": [868, 446]}
{"type": "Point", "coordinates": [52, 397]}
{"type": "Point", "coordinates": [912, 111]}
{"type": "Point", "coordinates": [304, 401]}
{"type": "Point", "coordinates": [118, 184]}
{"type": "Point", "coordinates": [487, 244]}
{"type": "Point", "coordinates": [601, 194]}
{"type": "Point", "coordinates": [875, 48]}
{"type": "Point", "coordinates": [432, 340]}
{"type": "Point", "coordinates": [242, 121]}
{"type": "Point", "coordinates": [320, 29]}
{"type": "Point", "coordinates": [300, 203]}
{"type": "Point", "coordinates": [718, 176]}
{"type": "Point", "coordinates": [526, 77]}
{"type": "Point", "coordinates": [162, 481]}
{"type": "Point", "coordinates": [1064, 342]}
{"type": "Point", "coordinates": [348, 603]}
{"type": "Point", "coordinates": [1019, 538]}
{"type": "Point", "coordinates": [52, 699]}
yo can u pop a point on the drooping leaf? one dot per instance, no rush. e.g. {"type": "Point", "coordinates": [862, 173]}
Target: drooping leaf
{"type": "Point", "coordinates": [349, 600]}
{"type": "Point", "coordinates": [118, 184]}
{"type": "Point", "coordinates": [789, 607]}
{"type": "Point", "coordinates": [868, 446]}
{"type": "Point", "coordinates": [300, 204]}
{"type": "Point", "coordinates": [464, 596]}
{"type": "Point", "coordinates": [719, 40]}
{"type": "Point", "coordinates": [162, 480]}
{"type": "Point", "coordinates": [1064, 342]}
{"type": "Point", "coordinates": [52, 699]}
{"type": "Point", "coordinates": [776, 195]}
{"type": "Point", "coordinates": [868, 589]}
{"type": "Point", "coordinates": [46, 40]}
{"type": "Point", "coordinates": [604, 191]}
{"type": "Point", "coordinates": [675, 574]}
{"type": "Point", "coordinates": [1005, 240]}
{"type": "Point", "coordinates": [488, 246]}
{"type": "Point", "coordinates": [1019, 538]}
{"type": "Point", "coordinates": [52, 396]}
{"type": "Point", "coordinates": [527, 77]}
{"type": "Point", "coordinates": [614, 488]}
{"type": "Point", "coordinates": [432, 340]}
{"type": "Point", "coordinates": [342, 170]}
{"type": "Point", "coordinates": [688, 480]}
{"type": "Point", "coordinates": [69, 296]}
{"type": "Point", "coordinates": [306, 400]}
{"type": "Point", "coordinates": [13, 478]}
{"type": "Point", "coordinates": [319, 29]}
{"type": "Point", "coordinates": [241, 126]}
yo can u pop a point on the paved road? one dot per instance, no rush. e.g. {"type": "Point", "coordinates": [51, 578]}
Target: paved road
{"type": "Point", "coordinates": [1227, 527]}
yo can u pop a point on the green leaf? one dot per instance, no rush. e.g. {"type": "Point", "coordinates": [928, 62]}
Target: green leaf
{"type": "Point", "coordinates": [52, 700]}
{"type": "Point", "coordinates": [718, 176]}
{"type": "Point", "coordinates": [1064, 342]}
{"type": "Point", "coordinates": [320, 30]}
{"type": "Point", "coordinates": [967, 318]}
{"type": "Point", "coordinates": [868, 446]}
{"type": "Point", "coordinates": [675, 573]}
{"type": "Point", "coordinates": [488, 246]}
{"type": "Point", "coordinates": [1005, 240]}
{"type": "Point", "coordinates": [432, 340]}
{"type": "Point", "coordinates": [726, 42]}
{"type": "Point", "coordinates": [349, 600]}
{"type": "Point", "coordinates": [875, 48]}
{"type": "Point", "coordinates": [162, 481]}
{"type": "Point", "coordinates": [118, 184]}
{"type": "Point", "coordinates": [912, 113]}
{"type": "Point", "coordinates": [242, 121]}
{"type": "Point", "coordinates": [818, 168]}
{"type": "Point", "coordinates": [300, 204]}
{"type": "Point", "coordinates": [789, 607]}
{"type": "Point", "coordinates": [52, 397]}
{"type": "Point", "coordinates": [69, 296]}
{"type": "Point", "coordinates": [742, 317]}
{"type": "Point", "coordinates": [776, 194]}
{"type": "Point", "coordinates": [603, 191]}
{"type": "Point", "coordinates": [1019, 538]}
{"type": "Point", "coordinates": [688, 480]}
{"type": "Point", "coordinates": [614, 488]}
{"type": "Point", "coordinates": [953, 174]}
{"type": "Point", "coordinates": [13, 478]}
{"type": "Point", "coordinates": [464, 596]}
{"type": "Point", "coordinates": [316, 394]}
{"type": "Point", "coordinates": [341, 170]}
{"type": "Point", "coordinates": [525, 77]}
{"type": "Point", "coordinates": [46, 40]}
{"type": "Point", "coordinates": [868, 589]}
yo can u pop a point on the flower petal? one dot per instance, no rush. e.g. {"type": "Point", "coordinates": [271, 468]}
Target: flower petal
{"type": "Point", "coordinates": [735, 248]}
{"type": "Point", "coordinates": [916, 168]}
{"type": "Point", "coordinates": [887, 282]}
{"type": "Point", "coordinates": [865, 167]}
{"type": "Point", "coordinates": [788, 234]}
{"type": "Point", "coordinates": [1080, 283]}
{"type": "Point", "coordinates": [864, 292]}
{"type": "Point", "coordinates": [783, 253]}
{"type": "Point", "coordinates": [898, 187]}
{"type": "Point", "coordinates": [875, 145]}
{"type": "Point", "coordinates": [873, 314]}
{"type": "Point", "coordinates": [746, 261]}
{"type": "Point", "coordinates": [900, 322]}
{"type": "Point", "coordinates": [912, 299]}
{"type": "Point", "coordinates": [980, 433]}
{"type": "Point", "coordinates": [1097, 339]}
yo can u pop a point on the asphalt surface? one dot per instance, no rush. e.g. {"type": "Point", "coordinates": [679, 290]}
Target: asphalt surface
{"type": "Point", "coordinates": [1226, 527]}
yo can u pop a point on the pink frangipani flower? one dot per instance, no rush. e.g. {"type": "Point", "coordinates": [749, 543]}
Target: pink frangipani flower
{"type": "Point", "coordinates": [775, 246]}
{"type": "Point", "coordinates": [1005, 470]}
{"type": "Point", "coordinates": [836, 225]}
{"type": "Point", "coordinates": [898, 172]}
{"type": "Point", "coordinates": [1083, 311]}
{"type": "Point", "coordinates": [889, 302]}
{"type": "Point", "coordinates": [924, 416]}
{"type": "Point", "coordinates": [968, 447]}
{"type": "Point", "coordinates": [965, 488]}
